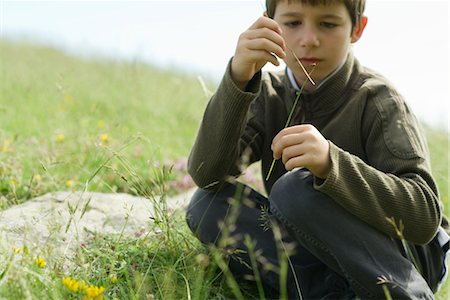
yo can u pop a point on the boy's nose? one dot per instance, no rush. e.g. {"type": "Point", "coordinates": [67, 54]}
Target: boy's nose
{"type": "Point", "coordinates": [309, 38]}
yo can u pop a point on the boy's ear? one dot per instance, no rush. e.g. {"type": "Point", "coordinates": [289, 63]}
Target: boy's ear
{"type": "Point", "coordinates": [358, 31]}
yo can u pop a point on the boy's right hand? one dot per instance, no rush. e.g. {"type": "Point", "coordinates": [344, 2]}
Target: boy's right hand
{"type": "Point", "coordinates": [256, 46]}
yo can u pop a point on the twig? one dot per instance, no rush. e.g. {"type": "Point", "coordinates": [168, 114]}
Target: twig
{"type": "Point", "coordinates": [290, 116]}
{"type": "Point", "coordinates": [301, 65]}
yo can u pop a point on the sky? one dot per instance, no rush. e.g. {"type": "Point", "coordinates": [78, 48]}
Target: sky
{"type": "Point", "coordinates": [405, 40]}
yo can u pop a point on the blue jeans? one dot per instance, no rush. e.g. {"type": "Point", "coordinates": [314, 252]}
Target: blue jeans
{"type": "Point", "coordinates": [334, 255]}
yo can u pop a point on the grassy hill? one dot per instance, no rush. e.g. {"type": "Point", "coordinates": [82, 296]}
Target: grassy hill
{"type": "Point", "coordinates": [61, 117]}
{"type": "Point", "coordinates": [66, 122]}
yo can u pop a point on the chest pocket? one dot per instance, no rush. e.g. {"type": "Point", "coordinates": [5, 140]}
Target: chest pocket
{"type": "Point", "coordinates": [400, 128]}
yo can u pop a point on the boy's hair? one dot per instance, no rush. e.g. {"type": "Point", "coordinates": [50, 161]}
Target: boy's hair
{"type": "Point", "coordinates": [354, 7]}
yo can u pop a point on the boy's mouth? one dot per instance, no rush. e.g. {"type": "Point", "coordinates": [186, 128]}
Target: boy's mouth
{"type": "Point", "coordinates": [303, 68]}
{"type": "Point", "coordinates": [310, 61]}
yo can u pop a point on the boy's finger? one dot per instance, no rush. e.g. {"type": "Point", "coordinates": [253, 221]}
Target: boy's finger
{"type": "Point", "coordinates": [267, 46]}
{"type": "Point", "coordinates": [282, 133]}
{"type": "Point", "coordinates": [262, 57]}
{"type": "Point", "coordinates": [283, 142]}
{"type": "Point", "coordinates": [265, 22]}
{"type": "Point", "coordinates": [270, 35]}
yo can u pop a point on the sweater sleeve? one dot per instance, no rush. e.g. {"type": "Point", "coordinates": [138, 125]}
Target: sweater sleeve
{"type": "Point", "coordinates": [395, 181]}
{"type": "Point", "coordinates": [224, 134]}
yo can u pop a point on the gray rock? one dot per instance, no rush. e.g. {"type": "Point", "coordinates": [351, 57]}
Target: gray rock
{"type": "Point", "coordinates": [56, 222]}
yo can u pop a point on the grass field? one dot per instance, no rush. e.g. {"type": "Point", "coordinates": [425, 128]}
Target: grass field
{"type": "Point", "coordinates": [64, 120]}
{"type": "Point", "coordinates": [61, 116]}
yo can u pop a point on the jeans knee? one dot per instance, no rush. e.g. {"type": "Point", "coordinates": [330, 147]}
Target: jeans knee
{"type": "Point", "coordinates": [197, 210]}
{"type": "Point", "coordinates": [203, 214]}
{"type": "Point", "coordinates": [192, 211]}
{"type": "Point", "coordinates": [292, 197]}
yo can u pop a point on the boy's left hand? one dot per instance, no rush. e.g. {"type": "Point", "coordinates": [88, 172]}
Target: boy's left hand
{"type": "Point", "coordinates": [303, 146]}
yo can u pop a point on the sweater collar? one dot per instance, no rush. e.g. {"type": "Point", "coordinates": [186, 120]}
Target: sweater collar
{"type": "Point", "coordinates": [295, 85]}
{"type": "Point", "coordinates": [330, 93]}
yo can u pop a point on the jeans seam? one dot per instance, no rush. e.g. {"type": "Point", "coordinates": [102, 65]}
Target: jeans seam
{"type": "Point", "coordinates": [318, 244]}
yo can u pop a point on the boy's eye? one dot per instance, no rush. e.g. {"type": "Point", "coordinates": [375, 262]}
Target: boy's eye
{"type": "Point", "coordinates": [292, 24]}
{"type": "Point", "coordinates": [328, 24]}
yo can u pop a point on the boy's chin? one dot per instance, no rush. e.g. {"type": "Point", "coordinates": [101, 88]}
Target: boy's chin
{"type": "Point", "coordinates": [302, 79]}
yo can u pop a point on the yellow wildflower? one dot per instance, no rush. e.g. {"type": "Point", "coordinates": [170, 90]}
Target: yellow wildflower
{"type": "Point", "coordinates": [18, 250]}
{"type": "Point", "coordinates": [75, 286]}
{"type": "Point", "coordinates": [104, 138]}
{"type": "Point", "coordinates": [12, 181]}
{"type": "Point", "coordinates": [68, 99]}
{"type": "Point", "coordinates": [94, 293]}
{"type": "Point", "coordinates": [69, 183]}
{"type": "Point", "coordinates": [113, 278]}
{"type": "Point", "coordinates": [6, 146]}
{"type": "Point", "coordinates": [101, 124]}
{"type": "Point", "coordinates": [71, 284]}
{"type": "Point", "coordinates": [37, 178]}
{"type": "Point", "coordinates": [40, 262]}
{"type": "Point", "coordinates": [83, 285]}
{"type": "Point", "coordinates": [59, 138]}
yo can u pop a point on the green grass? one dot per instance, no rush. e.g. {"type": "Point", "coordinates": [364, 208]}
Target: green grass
{"type": "Point", "coordinates": [45, 93]}
{"type": "Point", "coordinates": [64, 120]}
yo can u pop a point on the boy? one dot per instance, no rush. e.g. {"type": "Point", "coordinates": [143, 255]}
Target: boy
{"type": "Point", "coordinates": [350, 163]}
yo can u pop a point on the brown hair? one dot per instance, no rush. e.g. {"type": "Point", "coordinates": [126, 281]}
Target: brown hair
{"type": "Point", "coordinates": [354, 7]}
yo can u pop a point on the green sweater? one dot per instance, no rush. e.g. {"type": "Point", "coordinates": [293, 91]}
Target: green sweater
{"type": "Point", "coordinates": [380, 160]}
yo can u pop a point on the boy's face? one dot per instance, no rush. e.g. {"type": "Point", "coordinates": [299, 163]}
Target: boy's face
{"type": "Point", "coordinates": [319, 34]}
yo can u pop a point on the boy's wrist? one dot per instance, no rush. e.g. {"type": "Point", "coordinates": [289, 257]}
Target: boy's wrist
{"type": "Point", "coordinates": [240, 84]}
{"type": "Point", "coordinates": [251, 87]}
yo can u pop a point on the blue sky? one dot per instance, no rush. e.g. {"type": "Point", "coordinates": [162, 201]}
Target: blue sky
{"type": "Point", "coordinates": [406, 40]}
